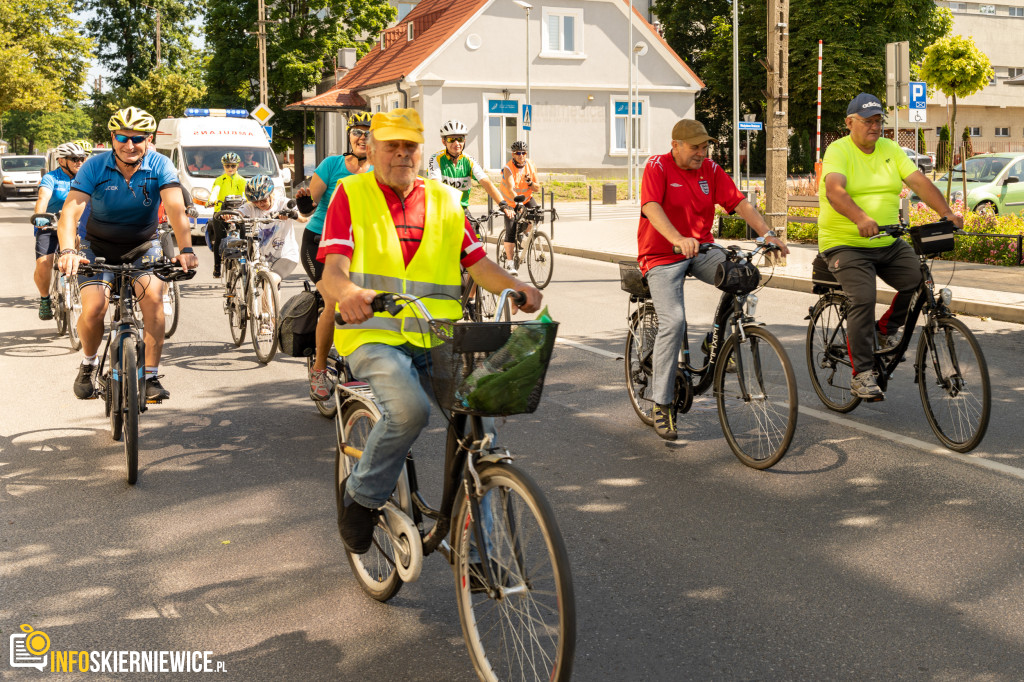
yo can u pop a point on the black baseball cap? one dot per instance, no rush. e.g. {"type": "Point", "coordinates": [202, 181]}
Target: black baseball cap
{"type": "Point", "coordinates": [864, 105]}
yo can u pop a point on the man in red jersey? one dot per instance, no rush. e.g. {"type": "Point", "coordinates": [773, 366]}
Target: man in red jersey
{"type": "Point", "coordinates": [677, 202]}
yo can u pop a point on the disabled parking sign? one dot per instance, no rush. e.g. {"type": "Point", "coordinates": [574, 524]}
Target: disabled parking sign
{"type": "Point", "coordinates": [918, 102]}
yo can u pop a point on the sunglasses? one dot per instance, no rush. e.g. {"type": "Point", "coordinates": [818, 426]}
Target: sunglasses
{"type": "Point", "coordinates": [230, 165]}
{"type": "Point", "coordinates": [358, 132]}
{"type": "Point", "coordinates": [518, 153]}
{"type": "Point", "coordinates": [136, 139]}
{"type": "Point", "coordinates": [449, 140]}
{"type": "Point", "coordinates": [76, 159]}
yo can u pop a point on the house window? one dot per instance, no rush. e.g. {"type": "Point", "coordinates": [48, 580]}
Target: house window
{"type": "Point", "coordinates": [393, 104]}
{"type": "Point", "coordinates": [958, 6]}
{"type": "Point", "coordinates": [620, 125]}
{"type": "Point", "coordinates": [1002, 132]}
{"type": "Point", "coordinates": [1015, 71]}
{"type": "Point", "coordinates": [986, 9]}
{"type": "Point", "coordinates": [502, 121]}
{"type": "Point", "coordinates": [1017, 11]}
{"type": "Point", "coordinates": [975, 132]}
{"type": "Point", "coordinates": [561, 32]}
{"type": "Point", "coordinates": [403, 9]}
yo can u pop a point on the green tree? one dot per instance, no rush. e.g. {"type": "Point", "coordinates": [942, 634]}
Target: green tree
{"type": "Point", "coordinates": [854, 35]}
{"type": "Point", "coordinates": [163, 93]}
{"type": "Point", "coordinates": [300, 51]}
{"type": "Point", "coordinates": [31, 132]}
{"type": "Point", "coordinates": [957, 68]}
{"type": "Point", "coordinates": [922, 146]}
{"type": "Point", "coordinates": [942, 154]}
{"type": "Point", "coordinates": [125, 32]}
{"type": "Point", "coordinates": [43, 59]}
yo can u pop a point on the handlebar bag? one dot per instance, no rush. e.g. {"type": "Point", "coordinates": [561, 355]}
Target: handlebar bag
{"type": "Point", "coordinates": [296, 331]}
{"type": "Point", "coordinates": [737, 278]}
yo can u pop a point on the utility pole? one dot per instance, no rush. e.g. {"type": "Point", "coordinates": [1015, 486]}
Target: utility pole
{"type": "Point", "coordinates": [777, 117]}
{"type": "Point", "coordinates": [261, 41]}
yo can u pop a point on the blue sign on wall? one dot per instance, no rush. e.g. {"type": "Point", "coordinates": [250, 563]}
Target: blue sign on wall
{"type": "Point", "coordinates": [622, 107]}
{"type": "Point", "coordinates": [502, 106]}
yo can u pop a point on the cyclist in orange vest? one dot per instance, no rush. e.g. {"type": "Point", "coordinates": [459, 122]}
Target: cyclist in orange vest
{"type": "Point", "coordinates": [518, 177]}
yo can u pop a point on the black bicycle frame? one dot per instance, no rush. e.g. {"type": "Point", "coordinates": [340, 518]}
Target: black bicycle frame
{"type": "Point", "coordinates": [123, 325]}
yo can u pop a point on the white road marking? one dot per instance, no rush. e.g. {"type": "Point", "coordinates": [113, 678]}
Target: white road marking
{"type": "Point", "coordinates": [930, 448]}
{"type": "Point", "coordinates": [592, 349]}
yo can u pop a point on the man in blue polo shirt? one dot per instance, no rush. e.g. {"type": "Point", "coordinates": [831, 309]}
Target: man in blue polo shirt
{"type": "Point", "coordinates": [123, 189]}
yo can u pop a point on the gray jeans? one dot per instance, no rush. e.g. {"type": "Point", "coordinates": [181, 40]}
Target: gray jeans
{"type": "Point", "coordinates": [856, 269]}
{"type": "Point", "coordinates": [666, 284]}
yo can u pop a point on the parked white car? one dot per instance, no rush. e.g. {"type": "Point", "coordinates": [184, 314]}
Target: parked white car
{"type": "Point", "coordinates": [20, 176]}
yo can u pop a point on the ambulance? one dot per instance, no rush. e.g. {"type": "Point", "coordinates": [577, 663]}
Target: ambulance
{"type": "Point", "coordinates": [196, 142]}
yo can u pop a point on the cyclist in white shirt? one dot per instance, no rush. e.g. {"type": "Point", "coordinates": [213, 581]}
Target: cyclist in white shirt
{"type": "Point", "coordinates": [277, 240]}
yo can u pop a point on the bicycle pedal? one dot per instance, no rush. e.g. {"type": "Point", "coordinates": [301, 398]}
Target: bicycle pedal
{"type": "Point", "coordinates": [153, 401]}
{"type": "Point", "coordinates": [879, 399]}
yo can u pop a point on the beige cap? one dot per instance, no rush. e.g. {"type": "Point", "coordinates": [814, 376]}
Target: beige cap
{"type": "Point", "coordinates": [690, 132]}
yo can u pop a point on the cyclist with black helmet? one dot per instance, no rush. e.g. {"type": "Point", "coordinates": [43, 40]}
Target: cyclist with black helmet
{"type": "Point", "coordinates": [456, 169]}
{"type": "Point", "coordinates": [314, 200]}
{"type": "Point", "coordinates": [123, 189]}
{"type": "Point", "coordinates": [277, 239]}
{"type": "Point", "coordinates": [228, 184]}
{"type": "Point", "coordinates": [53, 190]}
{"type": "Point", "coordinates": [518, 177]}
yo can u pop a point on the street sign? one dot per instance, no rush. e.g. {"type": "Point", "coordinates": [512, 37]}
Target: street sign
{"type": "Point", "coordinates": [269, 130]}
{"type": "Point", "coordinates": [262, 113]}
{"type": "Point", "coordinates": [918, 115]}
{"type": "Point", "coordinates": [751, 125]}
{"type": "Point", "coordinates": [897, 73]}
{"type": "Point", "coordinates": [502, 106]}
{"type": "Point", "coordinates": [527, 116]}
{"type": "Point", "coordinates": [918, 95]}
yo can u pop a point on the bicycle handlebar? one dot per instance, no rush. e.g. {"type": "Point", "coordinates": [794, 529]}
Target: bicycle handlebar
{"type": "Point", "coordinates": [165, 270]}
{"type": "Point", "coordinates": [899, 229]}
{"type": "Point", "coordinates": [389, 303]}
{"type": "Point", "coordinates": [50, 217]}
{"type": "Point", "coordinates": [762, 247]}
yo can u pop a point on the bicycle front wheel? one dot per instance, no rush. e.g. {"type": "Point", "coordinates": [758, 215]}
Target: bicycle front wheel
{"type": "Point", "coordinates": [235, 302]}
{"type": "Point", "coordinates": [953, 381]}
{"type": "Point", "coordinates": [74, 310]}
{"type": "Point", "coordinates": [540, 259]}
{"type": "Point", "coordinates": [828, 355]}
{"type": "Point", "coordinates": [643, 328]}
{"type": "Point", "coordinates": [130, 409]}
{"type": "Point", "coordinates": [57, 301]}
{"type": "Point", "coordinates": [263, 309]}
{"type": "Point", "coordinates": [172, 309]}
{"type": "Point", "coordinates": [520, 624]}
{"type": "Point", "coordinates": [374, 570]}
{"type": "Point", "coordinates": [757, 402]}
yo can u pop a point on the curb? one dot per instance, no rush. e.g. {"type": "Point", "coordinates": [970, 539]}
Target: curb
{"type": "Point", "coordinates": [996, 311]}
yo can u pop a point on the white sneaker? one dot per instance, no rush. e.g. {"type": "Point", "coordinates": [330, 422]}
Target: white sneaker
{"type": "Point", "coordinates": [511, 269]}
{"type": "Point", "coordinates": [865, 386]}
{"type": "Point", "coordinates": [887, 342]}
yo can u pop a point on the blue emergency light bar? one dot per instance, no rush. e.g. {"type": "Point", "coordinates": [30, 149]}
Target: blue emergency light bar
{"type": "Point", "coordinates": [228, 113]}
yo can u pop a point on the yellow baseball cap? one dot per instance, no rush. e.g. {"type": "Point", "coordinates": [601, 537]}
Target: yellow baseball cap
{"type": "Point", "coordinates": [397, 124]}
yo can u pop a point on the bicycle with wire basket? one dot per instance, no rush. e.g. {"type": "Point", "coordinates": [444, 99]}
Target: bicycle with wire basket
{"type": "Point", "coordinates": [949, 367]}
{"type": "Point", "coordinates": [754, 384]}
{"type": "Point", "coordinates": [513, 584]}
{"type": "Point", "coordinates": [537, 252]}
{"type": "Point", "coordinates": [250, 295]}
{"type": "Point", "coordinates": [122, 381]}
{"type": "Point", "coordinates": [64, 291]}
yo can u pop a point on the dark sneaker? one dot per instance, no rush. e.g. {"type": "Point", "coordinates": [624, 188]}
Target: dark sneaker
{"type": "Point", "coordinates": [865, 386]}
{"type": "Point", "coordinates": [216, 271]}
{"type": "Point", "coordinates": [45, 309]}
{"type": "Point", "coordinates": [155, 392]}
{"type": "Point", "coordinates": [84, 388]}
{"type": "Point", "coordinates": [665, 421]}
{"type": "Point", "coordinates": [887, 342]}
{"type": "Point", "coordinates": [356, 524]}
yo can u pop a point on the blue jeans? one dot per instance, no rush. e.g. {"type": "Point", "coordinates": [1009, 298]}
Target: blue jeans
{"type": "Point", "coordinates": [666, 284]}
{"type": "Point", "coordinates": [400, 379]}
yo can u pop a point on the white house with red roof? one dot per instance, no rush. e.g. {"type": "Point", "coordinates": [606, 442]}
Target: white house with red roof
{"type": "Point", "coordinates": [467, 60]}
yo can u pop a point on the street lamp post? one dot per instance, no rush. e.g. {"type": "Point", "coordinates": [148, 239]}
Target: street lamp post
{"type": "Point", "coordinates": [636, 115]}
{"type": "Point", "coordinates": [527, 6]}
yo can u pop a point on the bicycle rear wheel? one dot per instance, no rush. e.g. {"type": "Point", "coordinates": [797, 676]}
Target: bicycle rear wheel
{"type": "Point", "coordinates": [235, 303]}
{"type": "Point", "coordinates": [74, 309]}
{"type": "Point", "coordinates": [757, 401]}
{"type": "Point", "coordinates": [525, 628]}
{"type": "Point", "coordinates": [130, 409]}
{"type": "Point", "coordinates": [643, 327]}
{"type": "Point", "coordinates": [953, 382]}
{"type": "Point", "coordinates": [263, 317]}
{"type": "Point", "coordinates": [540, 259]}
{"type": "Point", "coordinates": [172, 309]}
{"type": "Point", "coordinates": [828, 356]}
{"type": "Point", "coordinates": [374, 570]}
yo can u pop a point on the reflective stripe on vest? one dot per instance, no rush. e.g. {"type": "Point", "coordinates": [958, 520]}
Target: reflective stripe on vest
{"type": "Point", "coordinates": [433, 274]}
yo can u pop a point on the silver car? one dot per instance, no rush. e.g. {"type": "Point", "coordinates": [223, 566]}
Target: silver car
{"type": "Point", "coordinates": [926, 162]}
{"type": "Point", "coordinates": [20, 175]}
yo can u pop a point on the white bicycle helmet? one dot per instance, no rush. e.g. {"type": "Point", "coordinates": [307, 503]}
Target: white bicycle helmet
{"type": "Point", "coordinates": [454, 127]}
{"type": "Point", "coordinates": [69, 149]}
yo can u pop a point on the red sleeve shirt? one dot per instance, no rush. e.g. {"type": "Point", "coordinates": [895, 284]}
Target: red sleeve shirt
{"type": "Point", "coordinates": [688, 198]}
{"type": "Point", "coordinates": [408, 215]}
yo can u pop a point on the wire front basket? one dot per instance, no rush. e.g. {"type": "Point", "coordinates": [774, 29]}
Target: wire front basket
{"type": "Point", "coordinates": [490, 369]}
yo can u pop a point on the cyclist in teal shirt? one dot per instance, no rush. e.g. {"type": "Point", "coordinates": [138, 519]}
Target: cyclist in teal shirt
{"type": "Point", "coordinates": [321, 188]}
{"type": "Point", "coordinates": [53, 190]}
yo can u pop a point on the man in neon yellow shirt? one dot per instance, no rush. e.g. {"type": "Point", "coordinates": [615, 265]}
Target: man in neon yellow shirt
{"type": "Point", "coordinates": [228, 184]}
{"type": "Point", "coordinates": [861, 179]}
{"type": "Point", "coordinates": [394, 230]}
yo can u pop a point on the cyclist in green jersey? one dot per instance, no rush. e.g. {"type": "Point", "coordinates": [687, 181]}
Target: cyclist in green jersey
{"type": "Point", "coordinates": [458, 170]}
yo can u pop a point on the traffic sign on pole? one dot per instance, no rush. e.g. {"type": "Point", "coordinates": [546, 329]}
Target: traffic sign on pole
{"type": "Point", "coordinates": [751, 125]}
{"type": "Point", "coordinates": [262, 113]}
{"type": "Point", "coordinates": [527, 116]}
